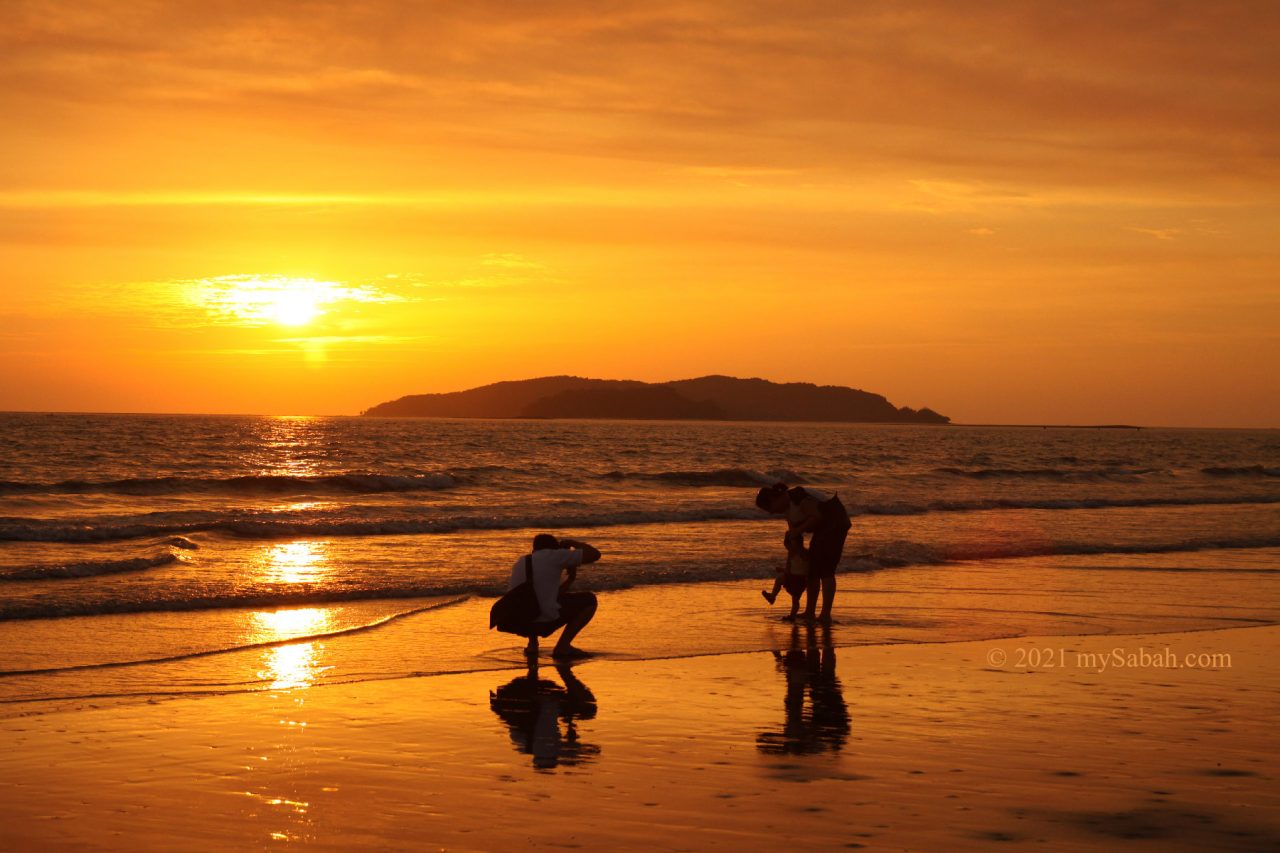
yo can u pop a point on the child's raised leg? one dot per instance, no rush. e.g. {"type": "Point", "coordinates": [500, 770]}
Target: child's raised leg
{"type": "Point", "coordinates": [771, 597]}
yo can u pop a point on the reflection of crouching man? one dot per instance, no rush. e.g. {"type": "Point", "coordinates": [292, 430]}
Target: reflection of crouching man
{"type": "Point", "coordinates": [558, 607]}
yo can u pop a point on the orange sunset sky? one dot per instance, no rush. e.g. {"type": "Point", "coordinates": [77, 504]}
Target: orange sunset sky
{"type": "Point", "coordinates": [1010, 212]}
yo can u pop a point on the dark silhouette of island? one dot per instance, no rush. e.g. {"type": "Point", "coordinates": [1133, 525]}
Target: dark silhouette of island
{"type": "Point", "coordinates": [706, 398]}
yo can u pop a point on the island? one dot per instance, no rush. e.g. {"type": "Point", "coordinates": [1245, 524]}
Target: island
{"type": "Point", "coordinates": [713, 398]}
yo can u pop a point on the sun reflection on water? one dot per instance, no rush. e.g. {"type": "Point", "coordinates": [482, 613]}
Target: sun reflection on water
{"type": "Point", "coordinates": [289, 446]}
{"type": "Point", "coordinates": [295, 664]}
{"type": "Point", "coordinates": [295, 562]}
{"type": "Point", "coordinates": [291, 666]}
{"type": "Point", "coordinates": [272, 625]}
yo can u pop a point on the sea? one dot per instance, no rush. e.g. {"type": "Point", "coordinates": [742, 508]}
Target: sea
{"type": "Point", "coordinates": [148, 556]}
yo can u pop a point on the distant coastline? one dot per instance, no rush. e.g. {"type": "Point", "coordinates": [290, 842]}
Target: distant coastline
{"type": "Point", "coordinates": [712, 398]}
{"type": "Point", "coordinates": [1090, 426]}
{"type": "Point", "coordinates": [369, 412]}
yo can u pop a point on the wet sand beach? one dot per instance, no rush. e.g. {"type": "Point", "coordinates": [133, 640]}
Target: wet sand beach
{"type": "Point", "coordinates": [909, 746]}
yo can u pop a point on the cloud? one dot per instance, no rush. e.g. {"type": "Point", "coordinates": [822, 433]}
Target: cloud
{"type": "Point", "coordinates": [1166, 234]}
{"type": "Point", "coordinates": [493, 271]}
{"type": "Point", "coordinates": [510, 260]}
{"type": "Point", "coordinates": [1006, 94]}
{"type": "Point", "coordinates": [350, 340]}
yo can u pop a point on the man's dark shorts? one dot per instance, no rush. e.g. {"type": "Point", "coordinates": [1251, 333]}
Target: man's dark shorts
{"type": "Point", "coordinates": [827, 543]}
{"type": "Point", "coordinates": [572, 605]}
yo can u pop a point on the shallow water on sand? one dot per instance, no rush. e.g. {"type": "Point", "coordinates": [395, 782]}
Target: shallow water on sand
{"type": "Point", "coordinates": [216, 554]}
{"type": "Point", "coordinates": [131, 657]}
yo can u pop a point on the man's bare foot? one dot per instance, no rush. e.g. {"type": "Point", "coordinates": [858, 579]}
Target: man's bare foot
{"type": "Point", "coordinates": [824, 619]}
{"type": "Point", "coordinates": [769, 596]}
{"type": "Point", "coordinates": [790, 617]}
{"type": "Point", "coordinates": [569, 653]}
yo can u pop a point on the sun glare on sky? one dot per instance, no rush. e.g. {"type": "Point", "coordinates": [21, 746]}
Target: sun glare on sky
{"type": "Point", "coordinates": [257, 300]}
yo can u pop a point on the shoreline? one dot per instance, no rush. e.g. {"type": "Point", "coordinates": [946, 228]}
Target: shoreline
{"type": "Point", "coordinates": [132, 658]}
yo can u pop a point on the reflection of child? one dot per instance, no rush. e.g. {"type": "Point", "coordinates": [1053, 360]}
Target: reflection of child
{"type": "Point", "coordinates": [794, 576]}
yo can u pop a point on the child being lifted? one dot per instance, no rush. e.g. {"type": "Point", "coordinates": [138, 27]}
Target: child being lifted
{"type": "Point", "coordinates": [793, 576]}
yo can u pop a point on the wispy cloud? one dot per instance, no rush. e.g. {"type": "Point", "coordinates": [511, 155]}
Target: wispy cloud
{"type": "Point", "coordinates": [351, 340]}
{"type": "Point", "coordinates": [491, 271]}
{"type": "Point", "coordinates": [510, 260]}
{"type": "Point", "coordinates": [1085, 94]}
{"type": "Point", "coordinates": [1166, 234]}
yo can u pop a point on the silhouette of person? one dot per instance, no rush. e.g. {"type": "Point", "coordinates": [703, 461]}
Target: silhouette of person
{"type": "Point", "coordinates": [533, 709]}
{"type": "Point", "coordinates": [558, 606]}
{"type": "Point", "coordinates": [816, 718]}
{"type": "Point", "coordinates": [823, 515]}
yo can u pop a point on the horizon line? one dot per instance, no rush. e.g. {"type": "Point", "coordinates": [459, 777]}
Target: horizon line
{"type": "Point", "coordinates": [1027, 425]}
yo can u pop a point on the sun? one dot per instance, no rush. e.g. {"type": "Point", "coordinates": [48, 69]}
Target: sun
{"type": "Point", "coordinates": [264, 300]}
{"type": "Point", "coordinates": [296, 304]}
{"type": "Point", "coordinates": [259, 301]}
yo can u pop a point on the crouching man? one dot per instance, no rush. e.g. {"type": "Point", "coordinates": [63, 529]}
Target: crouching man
{"type": "Point", "coordinates": [557, 605]}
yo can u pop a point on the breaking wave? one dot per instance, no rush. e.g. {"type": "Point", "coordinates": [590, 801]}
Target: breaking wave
{"type": "Point", "coordinates": [1057, 474]}
{"type": "Point", "coordinates": [88, 569]}
{"type": "Point", "coordinates": [1241, 471]}
{"type": "Point", "coordinates": [269, 484]}
{"type": "Point", "coordinates": [266, 524]}
{"type": "Point", "coordinates": [744, 477]}
{"type": "Point", "coordinates": [887, 556]}
{"type": "Point", "coordinates": [354, 629]}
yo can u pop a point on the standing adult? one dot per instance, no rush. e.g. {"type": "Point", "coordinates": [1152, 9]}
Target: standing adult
{"type": "Point", "coordinates": [558, 606]}
{"type": "Point", "coordinates": [821, 514]}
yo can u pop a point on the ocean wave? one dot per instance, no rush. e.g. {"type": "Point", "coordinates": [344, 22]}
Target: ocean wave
{"type": "Point", "coordinates": [885, 556]}
{"type": "Point", "coordinates": [980, 505]}
{"type": "Point", "coordinates": [1241, 471]}
{"type": "Point", "coordinates": [268, 525]}
{"type": "Point", "coordinates": [299, 638]}
{"type": "Point", "coordinates": [898, 554]}
{"type": "Point", "coordinates": [88, 569]}
{"type": "Point", "coordinates": [1060, 474]}
{"type": "Point", "coordinates": [744, 477]}
{"type": "Point", "coordinates": [180, 601]}
{"type": "Point", "coordinates": [268, 484]}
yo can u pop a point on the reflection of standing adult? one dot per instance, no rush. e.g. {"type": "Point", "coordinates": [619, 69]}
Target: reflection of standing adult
{"type": "Point", "coordinates": [822, 515]}
{"type": "Point", "coordinates": [821, 723]}
{"type": "Point", "coordinates": [533, 709]}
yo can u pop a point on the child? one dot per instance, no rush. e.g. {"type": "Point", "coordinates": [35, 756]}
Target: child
{"type": "Point", "coordinates": [794, 576]}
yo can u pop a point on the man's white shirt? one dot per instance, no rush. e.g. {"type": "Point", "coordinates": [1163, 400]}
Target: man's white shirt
{"type": "Point", "coordinates": [547, 565]}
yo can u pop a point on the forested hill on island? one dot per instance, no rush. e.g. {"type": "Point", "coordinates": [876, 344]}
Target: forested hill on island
{"type": "Point", "coordinates": [706, 398]}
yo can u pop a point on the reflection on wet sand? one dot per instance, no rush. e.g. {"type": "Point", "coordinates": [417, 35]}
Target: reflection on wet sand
{"type": "Point", "coordinates": [816, 716]}
{"type": "Point", "coordinates": [533, 709]}
{"type": "Point", "coordinates": [296, 664]}
{"type": "Point", "coordinates": [290, 666]}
